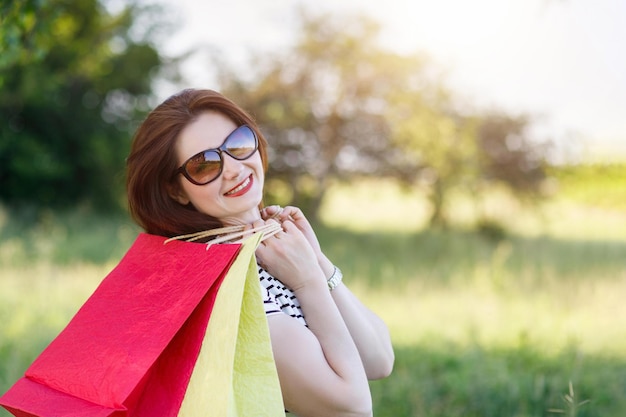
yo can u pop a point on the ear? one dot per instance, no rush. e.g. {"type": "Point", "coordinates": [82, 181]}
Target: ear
{"type": "Point", "coordinates": [177, 193]}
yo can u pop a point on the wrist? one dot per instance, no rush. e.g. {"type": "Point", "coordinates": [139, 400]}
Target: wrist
{"type": "Point", "coordinates": [327, 266]}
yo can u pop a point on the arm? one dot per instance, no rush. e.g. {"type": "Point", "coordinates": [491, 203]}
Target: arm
{"type": "Point", "coordinates": [368, 331]}
{"type": "Point", "coordinates": [319, 367]}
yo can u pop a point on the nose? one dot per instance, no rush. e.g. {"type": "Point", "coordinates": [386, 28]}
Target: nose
{"type": "Point", "coordinates": [232, 167]}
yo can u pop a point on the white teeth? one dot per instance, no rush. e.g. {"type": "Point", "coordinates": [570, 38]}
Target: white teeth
{"type": "Point", "coordinates": [239, 187]}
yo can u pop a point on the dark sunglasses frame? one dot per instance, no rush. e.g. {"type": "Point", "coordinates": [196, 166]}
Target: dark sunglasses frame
{"type": "Point", "coordinates": [221, 149]}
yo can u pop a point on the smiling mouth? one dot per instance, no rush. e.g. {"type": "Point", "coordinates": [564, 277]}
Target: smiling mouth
{"type": "Point", "coordinates": [242, 187]}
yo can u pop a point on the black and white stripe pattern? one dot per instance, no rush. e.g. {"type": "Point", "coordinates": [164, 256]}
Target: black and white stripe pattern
{"type": "Point", "coordinates": [277, 298]}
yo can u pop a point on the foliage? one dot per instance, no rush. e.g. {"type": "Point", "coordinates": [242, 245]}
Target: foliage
{"type": "Point", "coordinates": [461, 150]}
{"type": "Point", "coordinates": [21, 31]}
{"type": "Point", "coordinates": [440, 140]}
{"type": "Point", "coordinates": [509, 154]}
{"type": "Point", "coordinates": [73, 78]}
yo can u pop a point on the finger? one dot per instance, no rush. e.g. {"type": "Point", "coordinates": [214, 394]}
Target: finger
{"type": "Point", "coordinates": [290, 227]}
{"type": "Point", "coordinates": [271, 211]}
{"type": "Point", "coordinates": [272, 221]}
{"type": "Point", "coordinates": [248, 229]}
{"type": "Point", "coordinates": [258, 223]}
{"type": "Point", "coordinates": [289, 213]}
{"type": "Point", "coordinates": [259, 254]}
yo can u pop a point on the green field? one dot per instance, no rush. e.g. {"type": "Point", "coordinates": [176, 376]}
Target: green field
{"type": "Point", "coordinates": [490, 322]}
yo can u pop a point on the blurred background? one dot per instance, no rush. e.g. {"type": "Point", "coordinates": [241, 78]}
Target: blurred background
{"type": "Point", "coordinates": [464, 163]}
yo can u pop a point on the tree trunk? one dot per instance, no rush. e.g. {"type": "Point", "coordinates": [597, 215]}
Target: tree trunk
{"type": "Point", "coordinates": [437, 198]}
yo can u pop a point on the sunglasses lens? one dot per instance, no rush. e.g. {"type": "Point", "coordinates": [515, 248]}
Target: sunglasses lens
{"type": "Point", "coordinates": [204, 167]}
{"type": "Point", "coordinates": [241, 144]}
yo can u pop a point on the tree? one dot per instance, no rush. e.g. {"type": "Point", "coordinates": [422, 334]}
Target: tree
{"type": "Point", "coordinates": [467, 151]}
{"type": "Point", "coordinates": [323, 105]}
{"type": "Point", "coordinates": [337, 106]}
{"type": "Point", "coordinates": [510, 155]}
{"type": "Point", "coordinates": [69, 95]}
{"type": "Point", "coordinates": [440, 141]}
{"type": "Point", "coordinates": [24, 31]}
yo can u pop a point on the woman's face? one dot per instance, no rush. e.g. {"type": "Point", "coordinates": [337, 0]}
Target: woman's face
{"type": "Point", "coordinates": [234, 197]}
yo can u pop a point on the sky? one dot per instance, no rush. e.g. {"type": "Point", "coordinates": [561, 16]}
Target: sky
{"type": "Point", "coordinates": [562, 61]}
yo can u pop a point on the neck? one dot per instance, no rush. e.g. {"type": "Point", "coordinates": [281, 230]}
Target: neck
{"type": "Point", "coordinates": [241, 219]}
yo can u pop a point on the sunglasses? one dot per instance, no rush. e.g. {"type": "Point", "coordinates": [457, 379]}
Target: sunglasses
{"type": "Point", "coordinates": [206, 166]}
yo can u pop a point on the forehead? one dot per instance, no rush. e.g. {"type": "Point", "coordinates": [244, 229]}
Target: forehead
{"type": "Point", "coordinates": [208, 130]}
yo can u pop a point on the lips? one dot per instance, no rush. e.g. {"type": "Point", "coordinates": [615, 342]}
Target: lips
{"type": "Point", "coordinates": [240, 188]}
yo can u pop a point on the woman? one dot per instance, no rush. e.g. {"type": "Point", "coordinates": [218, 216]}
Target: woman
{"type": "Point", "coordinates": [198, 162]}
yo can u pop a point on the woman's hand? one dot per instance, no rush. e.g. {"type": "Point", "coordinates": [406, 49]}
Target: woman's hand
{"type": "Point", "coordinates": [296, 216]}
{"type": "Point", "coordinates": [288, 256]}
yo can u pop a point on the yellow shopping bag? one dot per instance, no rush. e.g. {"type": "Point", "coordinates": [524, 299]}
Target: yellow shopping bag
{"type": "Point", "coordinates": [236, 358]}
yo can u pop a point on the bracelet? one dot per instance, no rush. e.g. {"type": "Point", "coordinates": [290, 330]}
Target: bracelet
{"type": "Point", "coordinates": [335, 279]}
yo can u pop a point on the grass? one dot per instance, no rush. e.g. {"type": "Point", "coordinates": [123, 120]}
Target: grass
{"type": "Point", "coordinates": [493, 328]}
{"type": "Point", "coordinates": [438, 378]}
{"type": "Point", "coordinates": [492, 324]}
{"type": "Point", "coordinates": [483, 324]}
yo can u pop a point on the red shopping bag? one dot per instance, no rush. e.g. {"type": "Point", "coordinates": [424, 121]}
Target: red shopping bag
{"type": "Point", "coordinates": [131, 348]}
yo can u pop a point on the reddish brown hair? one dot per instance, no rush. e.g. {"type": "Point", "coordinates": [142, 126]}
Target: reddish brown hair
{"type": "Point", "coordinates": [152, 163]}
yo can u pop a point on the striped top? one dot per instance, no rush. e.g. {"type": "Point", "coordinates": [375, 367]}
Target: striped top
{"type": "Point", "coordinates": [277, 298]}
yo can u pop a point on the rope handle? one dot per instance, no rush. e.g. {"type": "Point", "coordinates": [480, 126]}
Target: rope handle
{"type": "Point", "coordinates": [231, 234]}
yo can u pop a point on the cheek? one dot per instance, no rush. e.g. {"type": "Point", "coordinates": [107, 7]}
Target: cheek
{"type": "Point", "coordinates": [257, 165]}
{"type": "Point", "coordinates": [203, 194]}
{"type": "Point", "coordinates": [208, 203]}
